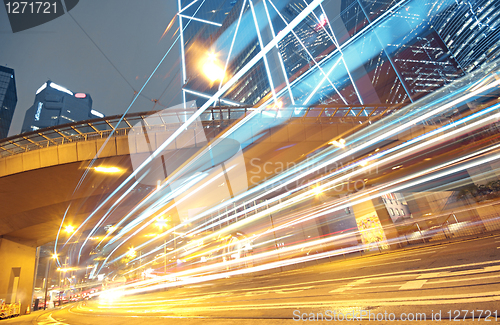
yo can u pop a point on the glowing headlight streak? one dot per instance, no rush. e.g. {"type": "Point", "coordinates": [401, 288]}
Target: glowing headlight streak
{"type": "Point", "coordinates": [230, 83]}
{"type": "Point", "coordinates": [402, 154]}
{"type": "Point", "coordinates": [225, 101]}
{"type": "Point", "coordinates": [103, 218]}
{"type": "Point", "coordinates": [171, 230]}
{"type": "Point", "coordinates": [123, 116]}
{"type": "Point", "coordinates": [448, 126]}
{"type": "Point", "coordinates": [157, 206]}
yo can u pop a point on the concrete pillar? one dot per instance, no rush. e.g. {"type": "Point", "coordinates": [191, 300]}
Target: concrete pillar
{"type": "Point", "coordinates": [17, 269]}
{"type": "Point", "coordinates": [482, 175]}
{"type": "Point", "coordinates": [374, 224]}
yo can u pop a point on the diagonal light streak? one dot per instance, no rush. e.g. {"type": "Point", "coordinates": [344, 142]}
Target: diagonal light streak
{"type": "Point", "coordinates": [113, 131]}
{"type": "Point", "coordinates": [279, 55]}
{"type": "Point", "coordinates": [261, 44]}
{"type": "Point", "coordinates": [233, 40]}
{"type": "Point", "coordinates": [309, 53]}
{"type": "Point", "coordinates": [335, 41]}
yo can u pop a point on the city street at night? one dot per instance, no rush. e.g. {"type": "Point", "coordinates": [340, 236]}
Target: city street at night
{"type": "Point", "coordinates": [447, 277]}
{"type": "Point", "coordinates": [249, 161]}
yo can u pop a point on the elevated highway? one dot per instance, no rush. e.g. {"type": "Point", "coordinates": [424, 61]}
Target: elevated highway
{"type": "Point", "coordinates": [41, 172]}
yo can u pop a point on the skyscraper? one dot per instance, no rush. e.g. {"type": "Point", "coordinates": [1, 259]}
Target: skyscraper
{"type": "Point", "coordinates": [55, 105]}
{"type": "Point", "coordinates": [341, 53]}
{"type": "Point", "coordinates": [8, 99]}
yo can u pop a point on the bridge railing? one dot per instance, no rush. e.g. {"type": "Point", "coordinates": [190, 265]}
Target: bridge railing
{"type": "Point", "coordinates": [170, 119]}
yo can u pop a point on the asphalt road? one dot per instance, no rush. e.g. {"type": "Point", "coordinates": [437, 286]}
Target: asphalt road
{"type": "Point", "coordinates": [452, 280]}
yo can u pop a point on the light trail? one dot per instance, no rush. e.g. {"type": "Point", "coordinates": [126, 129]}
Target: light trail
{"type": "Point", "coordinates": [403, 153]}
{"type": "Point", "coordinates": [298, 173]}
{"type": "Point", "coordinates": [407, 152]}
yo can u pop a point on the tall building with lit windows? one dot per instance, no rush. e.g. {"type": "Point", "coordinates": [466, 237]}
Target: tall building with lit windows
{"type": "Point", "coordinates": [342, 53]}
{"type": "Point", "coordinates": [8, 99]}
{"type": "Point", "coordinates": [56, 105]}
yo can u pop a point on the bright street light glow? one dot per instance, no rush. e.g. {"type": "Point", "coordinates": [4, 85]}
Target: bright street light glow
{"type": "Point", "coordinates": [131, 253]}
{"type": "Point", "coordinates": [161, 223]}
{"type": "Point", "coordinates": [69, 229]}
{"type": "Point", "coordinates": [211, 69]}
{"type": "Point", "coordinates": [317, 190]}
{"type": "Point", "coordinates": [339, 144]}
{"type": "Point", "coordinates": [109, 170]}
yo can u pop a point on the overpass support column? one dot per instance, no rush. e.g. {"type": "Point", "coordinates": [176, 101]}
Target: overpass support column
{"type": "Point", "coordinates": [484, 175]}
{"type": "Point", "coordinates": [374, 224]}
{"type": "Point", "coordinates": [17, 268]}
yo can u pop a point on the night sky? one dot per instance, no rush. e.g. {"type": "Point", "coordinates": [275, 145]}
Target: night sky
{"type": "Point", "coordinates": [128, 32]}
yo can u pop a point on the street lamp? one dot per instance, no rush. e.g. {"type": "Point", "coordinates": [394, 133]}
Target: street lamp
{"type": "Point", "coordinates": [211, 69]}
{"type": "Point", "coordinates": [69, 229]}
{"type": "Point", "coordinates": [53, 257]}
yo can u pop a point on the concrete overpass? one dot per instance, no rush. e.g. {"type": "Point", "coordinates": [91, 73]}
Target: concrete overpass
{"type": "Point", "coordinates": [39, 171]}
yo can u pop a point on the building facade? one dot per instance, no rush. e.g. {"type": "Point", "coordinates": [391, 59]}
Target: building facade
{"type": "Point", "coordinates": [343, 53]}
{"type": "Point", "coordinates": [56, 105]}
{"type": "Point", "coordinates": [8, 99]}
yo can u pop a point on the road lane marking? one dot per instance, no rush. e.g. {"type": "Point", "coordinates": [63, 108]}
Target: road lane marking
{"type": "Point", "coordinates": [429, 275]}
{"type": "Point", "coordinates": [350, 285]}
{"type": "Point", "coordinates": [459, 299]}
{"type": "Point", "coordinates": [405, 261]}
{"type": "Point", "coordinates": [410, 285]}
{"type": "Point", "coordinates": [51, 321]}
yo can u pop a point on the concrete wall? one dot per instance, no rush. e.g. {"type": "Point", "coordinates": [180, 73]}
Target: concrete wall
{"type": "Point", "coordinates": [17, 270]}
